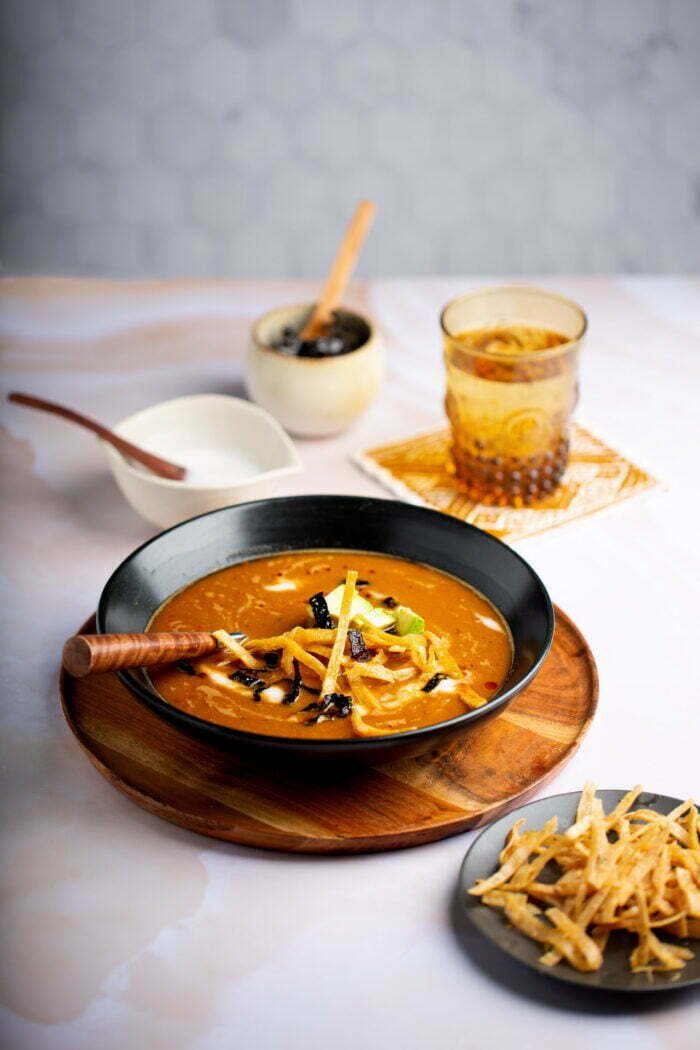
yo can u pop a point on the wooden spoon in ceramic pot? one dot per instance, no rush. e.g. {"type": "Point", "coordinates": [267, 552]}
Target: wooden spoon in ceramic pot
{"type": "Point", "coordinates": [340, 272]}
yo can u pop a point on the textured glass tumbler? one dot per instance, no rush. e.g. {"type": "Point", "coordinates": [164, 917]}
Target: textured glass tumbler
{"type": "Point", "coordinates": [510, 411]}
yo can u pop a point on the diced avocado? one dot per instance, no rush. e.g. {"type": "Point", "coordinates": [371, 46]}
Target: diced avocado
{"type": "Point", "coordinates": [408, 622]}
{"type": "Point", "coordinates": [359, 604]}
{"type": "Point", "coordinates": [380, 618]}
{"type": "Point", "coordinates": [361, 610]}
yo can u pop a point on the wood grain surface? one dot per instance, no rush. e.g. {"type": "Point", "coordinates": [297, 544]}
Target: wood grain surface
{"type": "Point", "coordinates": [340, 808]}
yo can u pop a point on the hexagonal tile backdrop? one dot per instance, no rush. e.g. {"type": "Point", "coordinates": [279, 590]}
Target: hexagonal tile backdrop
{"type": "Point", "coordinates": [232, 137]}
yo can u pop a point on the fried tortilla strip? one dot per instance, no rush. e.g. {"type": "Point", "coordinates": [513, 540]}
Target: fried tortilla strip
{"type": "Point", "coordinates": [585, 803]}
{"type": "Point", "coordinates": [527, 874]}
{"type": "Point", "coordinates": [470, 696]}
{"type": "Point", "coordinates": [578, 938]}
{"type": "Point", "coordinates": [692, 829]}
{"type": "Point", "coordinates": [231, 645]}
{"type": "Point", "coordinates": [331, 671]}
{"type": "Point", "coordinates": [371, 670]}
{"type": "Point", "coordinates": [362, 704]}
{"type": "Point", "coordinates": [586, 915]}
{"type": "Point", "coordinates": [299, 653]}
{"type": "Point", "coordinates": [623, 806]}
{"type": "Point", "coordinates": [444, 657]}
{"type": "Point", "coordinates": [319, 650]}
{"type": "Point", "coordinates": [690, 893]}
{"type": "Point", "coordinates": [527, 844]}
{"type": "Point", "coordinates": [377, 639]}
{"type": "Point", "coordinates": [669, 956]}
{"type": "Point", "coordinates": [580, 828]}
{"type": "Point", "coordinates": [527, 919]}
{"type": "Point", "coordinates": [512, 839]}
{"type": "Point", "coordinates": [322, 635]}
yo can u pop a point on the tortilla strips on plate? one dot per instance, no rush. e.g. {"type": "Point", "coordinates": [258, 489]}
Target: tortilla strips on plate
{"type": "Point", "coordinates": [634, 870]}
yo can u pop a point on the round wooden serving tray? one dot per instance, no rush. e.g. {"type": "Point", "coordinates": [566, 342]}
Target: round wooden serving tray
{"type": "Point", "coordinates": [328, 808]}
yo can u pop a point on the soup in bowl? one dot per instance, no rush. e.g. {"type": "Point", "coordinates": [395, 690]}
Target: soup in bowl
{"type": "Point", "coordinates": [415, 647]}
{"type": "Point", "coordinates": [351, 626]}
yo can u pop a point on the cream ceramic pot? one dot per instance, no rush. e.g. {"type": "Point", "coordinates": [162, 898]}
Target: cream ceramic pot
{"type": "Point", "coordinates": [311, 396]}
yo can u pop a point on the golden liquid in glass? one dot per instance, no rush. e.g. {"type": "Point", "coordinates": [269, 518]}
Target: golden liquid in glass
{"type": "Point", "coordinates": [510, 396]}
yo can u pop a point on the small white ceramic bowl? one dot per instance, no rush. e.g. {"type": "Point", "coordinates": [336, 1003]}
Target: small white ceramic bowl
{"type": "Point", "coordinates": [311, 396]}
{"type": "Point", "coordinates": [230, 448]}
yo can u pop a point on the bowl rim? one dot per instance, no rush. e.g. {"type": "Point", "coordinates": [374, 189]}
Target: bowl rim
{"type": "Point", "coordinates": [369, 344]}
{"type": "Point", "coordinates": [117, 459]}
{"type": "Point", "coordinates": [344, 744]}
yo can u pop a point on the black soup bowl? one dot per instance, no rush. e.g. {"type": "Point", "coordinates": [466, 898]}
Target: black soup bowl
{"type": "Point", "coordinates": [225, 537]}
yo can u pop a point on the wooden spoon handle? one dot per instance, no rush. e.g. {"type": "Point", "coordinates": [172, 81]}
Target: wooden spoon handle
{"type": "Point", "coordinates": [341, 270]}
{"type": "Point", "coordinates": [95, 653]}
{"type": "Point", "coordinates": [159, 466]}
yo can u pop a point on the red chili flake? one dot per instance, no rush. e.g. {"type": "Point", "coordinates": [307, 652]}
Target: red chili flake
{"type": "Point", "coordinates": [490, 685]}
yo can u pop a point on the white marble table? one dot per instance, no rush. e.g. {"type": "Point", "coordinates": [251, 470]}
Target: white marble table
{"type": "Point", "coordinates": [124, 931]}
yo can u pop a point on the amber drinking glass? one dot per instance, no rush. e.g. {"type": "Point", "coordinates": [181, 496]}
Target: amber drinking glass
{"type": "Point", "coordinates": [512, 360]}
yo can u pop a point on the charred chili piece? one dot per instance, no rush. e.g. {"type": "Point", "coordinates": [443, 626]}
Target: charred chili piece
{"type": "Point", "coordinates": [251, 680]}
{"type": "Point", "coordinates": [358, 648]}
{"type": "Point", "coordinates": [293, 693]}
{"type": "Point", "coordinates": [429, 686]}
{"type": "Point", "coordinates": [245, 678]}
{"type": "Point", "coordinates": [390, 602]}
{"type": "Point", "coordinates": [333, 705]}
{"type": "Point", "coordinates": [319, 608]}
{"type": "Point", "coordinates": [337, 705]}
{"type": "Point", "coordinates": [186, 667]}
{"type": "Point", "coordinates": [257, 690]}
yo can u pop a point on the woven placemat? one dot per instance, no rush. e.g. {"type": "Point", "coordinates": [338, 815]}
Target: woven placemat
{"type": "Point", "coordinates": [416, 469]}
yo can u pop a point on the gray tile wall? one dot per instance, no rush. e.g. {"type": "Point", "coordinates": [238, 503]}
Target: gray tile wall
{"type": "Point", "coordinates": [204, 137]}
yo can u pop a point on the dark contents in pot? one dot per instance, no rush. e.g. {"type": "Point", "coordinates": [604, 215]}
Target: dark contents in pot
{"type": "Point", "coordinates": [346, 332]}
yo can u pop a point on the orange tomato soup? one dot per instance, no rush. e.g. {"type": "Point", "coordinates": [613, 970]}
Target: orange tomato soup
{"type": "Point", "coordinates": [270, 595]}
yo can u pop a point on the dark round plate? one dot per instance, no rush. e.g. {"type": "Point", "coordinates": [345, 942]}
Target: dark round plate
{"type": "Point", "coordinates": [250, 530]}
{"type": "Point", "coordinates": [614, 975]}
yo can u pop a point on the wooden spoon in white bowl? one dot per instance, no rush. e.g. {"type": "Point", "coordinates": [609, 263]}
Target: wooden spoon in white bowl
{"type": "Point", "coordinates": [162, 467]}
